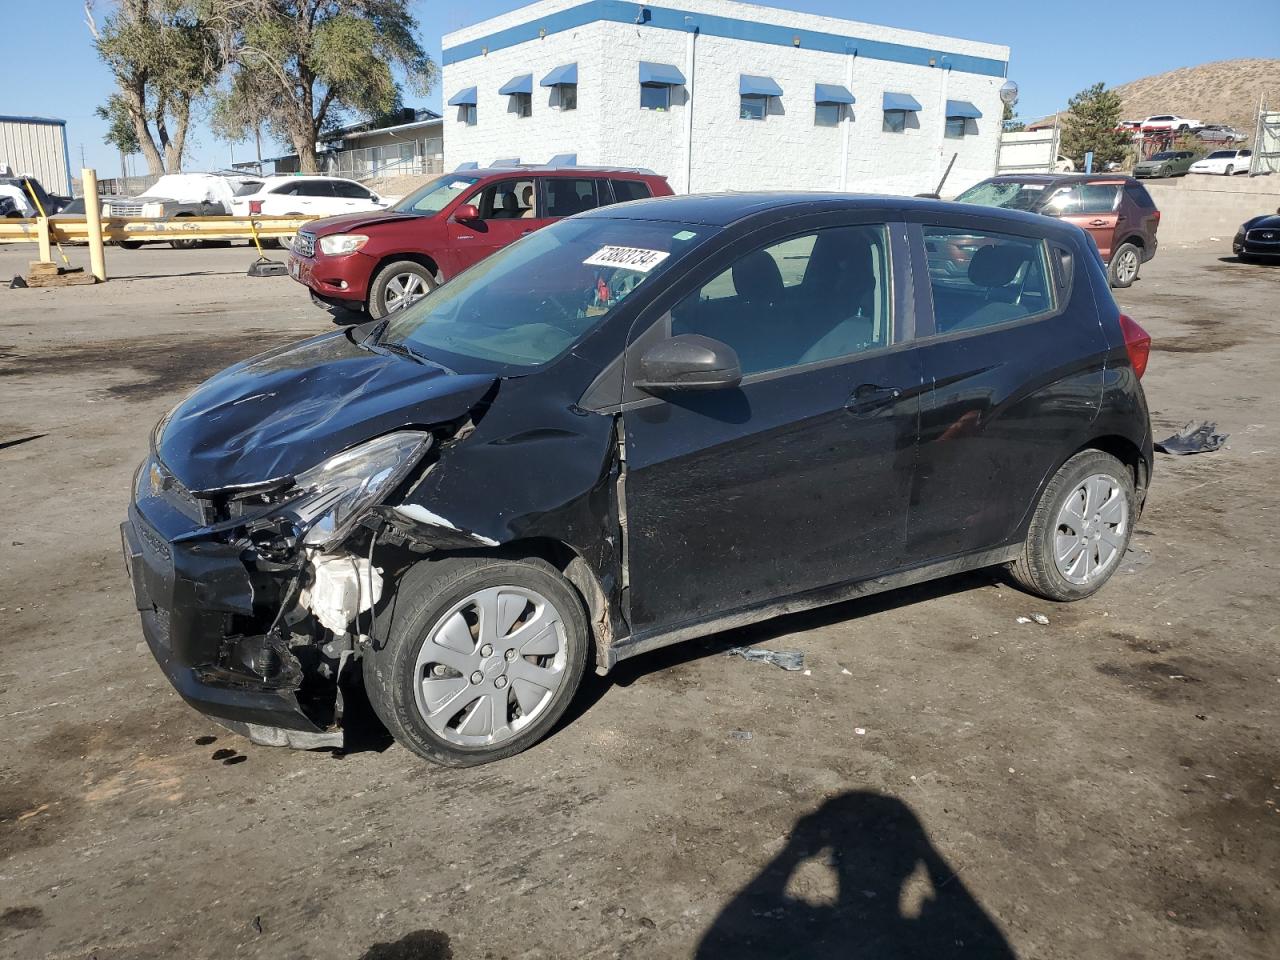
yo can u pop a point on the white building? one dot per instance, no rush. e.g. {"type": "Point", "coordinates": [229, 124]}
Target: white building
{"type": "Point", "coordinates": [720, 95]}
{"type": "Point", "coordinates": [37, 147]}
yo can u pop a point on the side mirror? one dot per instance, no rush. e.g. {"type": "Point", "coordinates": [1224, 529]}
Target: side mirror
{"type": "Point", "coordinates": [468, 211]}
{"type": "Point", "coordinates": [688, 362]}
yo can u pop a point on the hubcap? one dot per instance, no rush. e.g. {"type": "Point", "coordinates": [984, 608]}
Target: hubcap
{"type": "Point", "coordinates": [1091, 529]}
{"type": "Point", "coordinates": [490, 666]}
{"type": "Point", "coordinates": [1127, 268]}
{"type": "Point", "coordinates": [402, 290]}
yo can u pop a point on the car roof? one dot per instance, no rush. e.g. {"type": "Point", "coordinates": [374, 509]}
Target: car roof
{"type": "Point", "coordinates": [548, 171]}
{"type": "Point", "coordinates": [1064, 178]}
{"type": "Point", "coordinates": [302, 176]}
{"type": "Point", "coordinates": [725, 209]}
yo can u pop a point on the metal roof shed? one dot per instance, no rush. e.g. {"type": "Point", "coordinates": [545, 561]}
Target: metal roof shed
{"type": "Point", "coordinates": [37, 147]}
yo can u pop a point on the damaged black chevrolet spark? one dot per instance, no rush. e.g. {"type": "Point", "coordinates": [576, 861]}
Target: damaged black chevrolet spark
{"type": "Point", "coordinates": [642, 424]}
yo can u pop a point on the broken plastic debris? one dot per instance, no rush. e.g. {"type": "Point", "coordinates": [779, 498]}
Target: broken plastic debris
{"type": "Point", "coordinates": [1041, 619]}
{"type": "Point", "coordinates": [739, 734]}
{"type": "Point", "coordinates": [860, 731]}
{"type": "Point", "coordinates": [1193, 438]}
{"type": "Point", "coordinates": [786, 659]}
{"type": "Point", "coordinates": [1022, 619]}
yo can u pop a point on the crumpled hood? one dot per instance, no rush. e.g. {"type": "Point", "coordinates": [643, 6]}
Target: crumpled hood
{"type": "Point", "coordinates": [287, 410]}
{"type": "Point", "coordinates": [327, 226]}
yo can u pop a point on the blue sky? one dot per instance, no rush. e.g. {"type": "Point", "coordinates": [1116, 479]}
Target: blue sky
{"type": "Point", "coordinates": [49, 67]}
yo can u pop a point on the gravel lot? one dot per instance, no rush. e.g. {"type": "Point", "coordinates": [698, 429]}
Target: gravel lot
{"type": "Point", "coordinates": [944, 781]}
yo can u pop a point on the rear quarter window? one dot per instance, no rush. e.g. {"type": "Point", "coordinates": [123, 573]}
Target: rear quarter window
{"type": "Point", "coordinates": [1138, 194]}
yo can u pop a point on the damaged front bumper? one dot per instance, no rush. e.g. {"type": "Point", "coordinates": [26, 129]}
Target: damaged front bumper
{"type": "Point", "coordinates": [192, 596]}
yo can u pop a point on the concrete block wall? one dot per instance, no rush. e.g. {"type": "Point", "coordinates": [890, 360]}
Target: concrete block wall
{"type": "Point", "coordinates": [785, 151]}
{"type": "Point", "coordinates": [1197, 208]}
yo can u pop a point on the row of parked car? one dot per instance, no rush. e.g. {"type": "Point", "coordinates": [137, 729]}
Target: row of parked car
{"type": "Point", "coordinates": [1178, 163]}
{"type": "Point", "coordinates": [1172, 123]}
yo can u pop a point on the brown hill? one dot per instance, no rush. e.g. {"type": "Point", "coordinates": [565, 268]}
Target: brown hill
{"type": "Point", "coordinates": [1226, 91]}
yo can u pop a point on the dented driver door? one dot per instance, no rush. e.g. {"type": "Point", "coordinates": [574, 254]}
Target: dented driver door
{"type": "Point", "coordinates": [798, 478]}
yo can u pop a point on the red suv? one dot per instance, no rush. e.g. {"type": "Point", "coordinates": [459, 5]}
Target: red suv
{"type": "Point", "coordinates": [383, 260]}
{"type": "Point", "coordinates": [1115, 210]}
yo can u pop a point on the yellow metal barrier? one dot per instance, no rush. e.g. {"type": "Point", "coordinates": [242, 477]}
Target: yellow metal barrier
{"type": "Point", "coordinates": [76, 229]}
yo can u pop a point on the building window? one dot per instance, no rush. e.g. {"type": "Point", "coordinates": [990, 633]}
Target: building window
{"type": "Point", "coordinates": [654, 97]}
{"type": "Point", "coordinates": [828, 114]}
{"type": "Point", "coordinates": [566, 96]}
{"type": "Point", "coordinates": [895, 121]}
{"type": "Point", "coordinates": [522, 104]}
{"type": "Point", "coordinates": [956, 128]}
{"type": "Point", "coordinates": [468, 114]}
{"type": "Point", "coordinates": [753, 107]}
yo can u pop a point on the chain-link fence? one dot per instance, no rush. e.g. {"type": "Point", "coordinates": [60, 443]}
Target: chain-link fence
{"type": "Point", "coordinates": [410, 158]}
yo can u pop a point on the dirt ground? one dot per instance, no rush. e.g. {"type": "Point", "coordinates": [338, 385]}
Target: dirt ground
{"type": "Point", "coordinates": [942, 781]}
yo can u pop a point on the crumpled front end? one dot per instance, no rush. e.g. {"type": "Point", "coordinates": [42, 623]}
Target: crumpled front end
{"type": "Point", "coordinates": [253, 600]}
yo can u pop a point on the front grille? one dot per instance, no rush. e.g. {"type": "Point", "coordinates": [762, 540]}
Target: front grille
{"type": "Point", "coordinates": [304, 244]}
{"type": "Point", "coordinates": [118, 209]}
{"type": "Point", "coordinates": [1268, 235]}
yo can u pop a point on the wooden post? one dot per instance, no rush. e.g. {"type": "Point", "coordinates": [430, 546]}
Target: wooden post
{"type": "Point", "coordinates": [42, 234]}
{"type": "Point", "coordinates": [93, 220]}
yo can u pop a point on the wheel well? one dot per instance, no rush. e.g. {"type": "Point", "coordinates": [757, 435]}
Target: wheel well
{"type": "Point", "coordinates": [1127, 452]}
{"type": "Point", "coordinates": [419, 258]}
{"type": "Point", "coordinates": [1136, 240]}
{"type": "Point", "coordinates": [572, 566]}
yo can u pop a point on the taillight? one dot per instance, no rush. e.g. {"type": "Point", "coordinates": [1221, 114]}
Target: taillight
{"type": "Point", "coordinates": [1156, 215]}
{"type": "Point", "coordinates": [1137, 342]}
{"type": "Point", "coordinates": [255, 207]}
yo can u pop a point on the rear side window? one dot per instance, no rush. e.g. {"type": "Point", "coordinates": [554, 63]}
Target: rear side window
{"type": "Point", "coordinates": [566, 196]}
{"type": "Point", "coordinates": [980, 279]}
{"type": "Point", "coordinates": [315, 188]}
{"type": "Point", "coordinates": [624, 190]}
{"type": "Point", "coordinates": [1138, 194]}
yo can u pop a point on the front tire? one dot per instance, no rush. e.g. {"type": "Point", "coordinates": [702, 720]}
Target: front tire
{"type": "Point", "coordinates": [1229, 171]}
{"type": "Point", "coordinates": [1124, 266]}
{"type": "Point", "coordinates": [397, 285]}
{"type": "Point", "coordinates": [1080, 529]}
{"type": "Point", "coordinates": [481, 659]}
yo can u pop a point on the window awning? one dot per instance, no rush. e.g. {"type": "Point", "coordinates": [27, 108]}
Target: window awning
{"type": "Point", "coordinates": [506, 162]}
{"type": "Point", "coordinates": [750, 86]}
{"type": "Point", "coordinates": [962, 108]}
{"type": "Point", "coordinates": [520, 84]}
{"type": "Point", "coordinates": [901, 101]}
{"type": "Point", "coordinates": [464, 98]}
{"type": "Point", "coordinates": [831, 93]}
{"type": "Point", "coordinates": [561, 76]}
{"type": "Point", "coordinates": [563, 160]}
{"type": "Point", "coordinates": [659, 75]}
{"type": "Point", "coordinates": [467, 165]}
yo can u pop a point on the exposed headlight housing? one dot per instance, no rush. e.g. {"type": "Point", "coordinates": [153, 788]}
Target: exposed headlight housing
{"type": "Point", "coordinates": [152, 211]}
{"type": "Point", "coordinates": [332, 496]}
{"type": "Point", "coordinates": [341, 243]}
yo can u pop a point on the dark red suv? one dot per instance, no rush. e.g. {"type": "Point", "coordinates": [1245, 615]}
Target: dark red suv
{"type": "Point", "coordinates": [383, 260]}
{"type": "Point", "coordinates": [1115, 210]}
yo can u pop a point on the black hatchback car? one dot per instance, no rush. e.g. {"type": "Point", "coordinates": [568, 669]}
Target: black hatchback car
{"type": "Point", "coordinates": [642, 424]}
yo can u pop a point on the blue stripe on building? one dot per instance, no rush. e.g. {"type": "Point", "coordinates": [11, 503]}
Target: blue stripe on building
{"type": "Point", "coordinates": [664, 18]}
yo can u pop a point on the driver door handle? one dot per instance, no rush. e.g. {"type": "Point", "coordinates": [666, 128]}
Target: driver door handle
{"type": "Point", "coordinates": [1097, 223]}
{"type": "Point", "coordinates": [870, 397]}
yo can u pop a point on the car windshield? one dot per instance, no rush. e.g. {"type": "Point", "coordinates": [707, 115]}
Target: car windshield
{"type": "Point", "coordinates": [248, 187]}
{"type": "Point", "coordinates": [434, 196]}
{"type": "Point", "coordinates": [532, 301]}
{"type": "Point", "coordinates": [1221, 154]}
{"type": "Point", "coordinates": [1164, 155]}
{"type": "Point", "coordinates": [1010, 194]}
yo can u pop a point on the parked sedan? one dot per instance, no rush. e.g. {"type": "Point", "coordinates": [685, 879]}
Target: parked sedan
{"type": "Point", "coordinates": [1259, 239]}
{"type": "Point", "coordinates": [641, 424]}
{"type": "Point", "coordinates": [1166, 163]}
{"type": "Point", "coordinates": [1225, 162]}
{"type": "Point", "coordinates": [1218, 133]}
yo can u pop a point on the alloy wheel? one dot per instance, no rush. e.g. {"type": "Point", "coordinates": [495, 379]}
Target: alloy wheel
{"type": "Point", "coordinates": [1091, 529]}
{"type": "Point", "coordinates": [402, 290]}
{"type": "Point", "coordinates": [490, 666]}
{"type": "Point", "coordinates": [1127, 266]}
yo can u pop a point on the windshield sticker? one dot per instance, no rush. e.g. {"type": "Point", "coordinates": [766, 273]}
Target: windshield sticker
{"type": "Point", "coordinates": [628, 258]}
{"type": "Point", "coordinates": [684, 235]}
{"type": "Point", "coordinates": [459, 185]}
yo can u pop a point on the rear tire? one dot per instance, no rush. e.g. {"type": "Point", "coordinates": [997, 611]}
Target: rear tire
{"type": "Point", "coordinates": [1080, 529]}
{"type": "Point", "coordinates": [438, 691]}
{"type": "Point", "coordinates": [1229, 171]}
{"type": "Point", "coordinates": [1125, 264]}
{"type": "Point", "coordinates": [128, 244]}
{"type": "Point", "coordinates": [398, 285]}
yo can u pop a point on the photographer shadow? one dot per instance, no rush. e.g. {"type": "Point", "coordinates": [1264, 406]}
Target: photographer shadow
{"type": "Point", "coordinates": [894, 897]}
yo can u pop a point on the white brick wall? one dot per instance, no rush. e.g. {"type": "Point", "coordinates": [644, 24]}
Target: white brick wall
{"type": "Point", "coordinates": [785, 151]}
